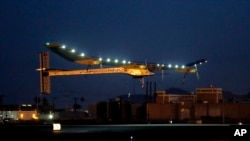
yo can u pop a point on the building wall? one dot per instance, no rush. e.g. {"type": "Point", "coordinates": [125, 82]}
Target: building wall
{"type": "Point", "coordinates": [207, 109]}
{"type": "Point", "coordinates": [209, 95]}
{"type": "Point", "coordinates": [27, 115]}
{"type": "Point", "coordinates": [237, 110]}
{"type": "Point", "coordinates": [116, 111]}
{"type": "Point", "coordinates": [174, 98]}
{"type": "Point", "coordinates": [102, 111]}
{"type": "Point", "coordinates": [195, 111]}
{"type": "Point", "coordinates": [19, 115]}
{"type": "Point", "coordinates": [93, 110]}
{"type": "Point", "coordinates": [214, 110]}
{"type": "Point", "coordinates": [244, 110]}
{"type": "Point", "coordinates": [134, 111]}
{"type": "Point", "coordinates": [159, 111]}
{"type": "Point", "coordinates": [161, 98]}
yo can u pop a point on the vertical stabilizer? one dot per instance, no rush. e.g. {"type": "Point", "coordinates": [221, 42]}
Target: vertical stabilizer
{"type": "Point", "coordinates": [44, 77]}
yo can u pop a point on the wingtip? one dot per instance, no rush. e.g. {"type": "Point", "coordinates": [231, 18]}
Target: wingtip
{"type": "Point", "coordinates": [51, 44]}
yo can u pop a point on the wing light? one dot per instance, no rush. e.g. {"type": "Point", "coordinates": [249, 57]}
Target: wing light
{"type": "Point", "coordinates": [63, 46]}
{"type": "Point", "coordinates": [82, 54]}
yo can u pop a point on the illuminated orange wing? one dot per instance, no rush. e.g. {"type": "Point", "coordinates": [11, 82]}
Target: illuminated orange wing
{"type": "Point", "coordinates": [81, 58]}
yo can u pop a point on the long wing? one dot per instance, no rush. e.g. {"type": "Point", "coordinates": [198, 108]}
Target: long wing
{"type": "Point", "coordinates": [71, 55]}
{"type": "Point", "coordinates": [81, 58]}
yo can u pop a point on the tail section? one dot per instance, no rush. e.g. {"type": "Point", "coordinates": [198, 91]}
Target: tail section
{"type": "Point", "coordinates": [198, 62]}
{"type": "Point", "coordinates": [45, 87]}
{"type": "Point", "coordinates": [194, 68]}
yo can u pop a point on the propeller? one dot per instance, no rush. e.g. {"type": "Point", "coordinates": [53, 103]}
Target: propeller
{"type": "Point", "coordinates": [162, 74]}
{"type": "Point", "coordinates": [185, 76]}
{"type": "Point", "coordinates": [195, 65]}
{"type": "Point", "coordinates": [142, 82]}
{"type": "Point", "coordinates": [197, 74]}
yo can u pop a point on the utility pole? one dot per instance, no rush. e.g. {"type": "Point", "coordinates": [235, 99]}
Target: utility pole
{"type": "Point", "coordinates": [147, 95]}
{"type": "Point", "coordinates": [37, 100]}
{"type": "Point", "coordinates": [54, 103]}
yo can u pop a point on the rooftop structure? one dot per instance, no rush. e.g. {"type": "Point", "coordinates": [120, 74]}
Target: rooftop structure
{"type": "Point", "coordinates": [209, 95]}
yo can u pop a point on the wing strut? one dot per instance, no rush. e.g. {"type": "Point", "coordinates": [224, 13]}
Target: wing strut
{"type": "Point", "coordinates": [142, 82]}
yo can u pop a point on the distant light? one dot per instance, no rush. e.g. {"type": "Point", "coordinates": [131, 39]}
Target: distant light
{"type": "Point", "coordinates": [48, 43]}
{"type": "Point", "coordinates": [21, 115]}
{"type": "Point", "coordinates": [116, 60]}
{"type": "Point", "coordinates": [100, 59]}
{"type": "Point", "coordinates": [131, 137]}
{"type": "Point", "coordinates": [158, 65]}
{"type": "Point", "coordinates": [129, 62]}
{"type": "Point", "coordinates": [169, 65]}
{"type": "Point", "coordinates": [34, 116]}
{"type": "Point", "coordinates": [176, 66]}
{"type": "Point", "coordinates": [56, 126]}
{"type": "Point", "coordinates": [50, 116]}
{"type": "Point", "coordinates": [170, 121]}
{"type": "Point", "coordinates": [162, 65]}
{"type": "Point", "coordinates": [108, 60]}
{"type": "Point", "coordinates": [124, 61]}
{"type": "Point", "coordinates": [82, 54]}
{"type": "Point", "coordinates": [73, 50]}
{"type": "Point", "coordinates": [183, 66]}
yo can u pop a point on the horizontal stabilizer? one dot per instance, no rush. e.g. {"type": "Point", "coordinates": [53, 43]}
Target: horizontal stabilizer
{"type": "Point", "coordinates": [198, 62]}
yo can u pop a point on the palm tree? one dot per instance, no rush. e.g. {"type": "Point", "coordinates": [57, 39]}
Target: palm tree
{"type": "Point", "coordinates": [82, 99]}
{"type": "Point", "coordinates": [76, 105]}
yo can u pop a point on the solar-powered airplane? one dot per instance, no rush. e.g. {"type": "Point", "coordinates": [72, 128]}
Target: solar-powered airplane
{"type": "Point", "coordinates": [106, 66]}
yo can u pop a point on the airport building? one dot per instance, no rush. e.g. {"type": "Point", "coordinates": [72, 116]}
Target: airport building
{"type": "Point", "coordinates": [201, 95]}
{"type": "Point", "coordinates": [205, 105]}
{"type": "Point", "coordinates": [209, 95]}
{"type": "Point", "coordinates": [17, 113]}
{"type": "Point", "coordinates": [163, 97]}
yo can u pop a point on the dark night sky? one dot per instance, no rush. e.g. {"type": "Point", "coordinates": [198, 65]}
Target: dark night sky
{"type": "Point", "coordinates": [166, 31]}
